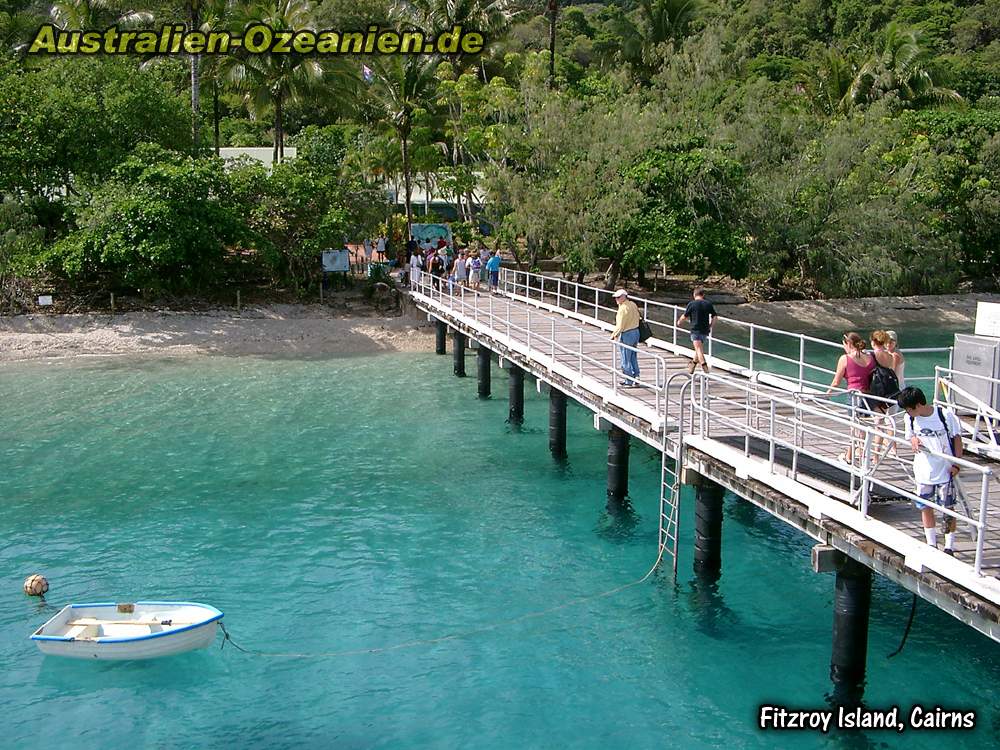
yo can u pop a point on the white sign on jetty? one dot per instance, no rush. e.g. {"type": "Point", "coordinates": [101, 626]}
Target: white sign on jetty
{"type": "Point", "coordinates": [988, 319]}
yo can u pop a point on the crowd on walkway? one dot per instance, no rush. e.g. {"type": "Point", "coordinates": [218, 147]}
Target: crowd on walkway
{"type": "Point", "coordinates": [469, 268]}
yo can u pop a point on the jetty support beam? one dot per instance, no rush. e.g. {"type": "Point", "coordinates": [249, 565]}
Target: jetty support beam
{"type": "Point", "coordinates": [851, 607]}
{"type": "Point", "coordinates": [483, 371]}
{"type": "Point", "coordinates": [618, 450]}
{"type": "Point", "coordinates": [708, 528]}
{"type": "Point", "coordinates": [557, 423]}
{"type": "Point", "coordinates": [516, 395]}
{"type": "Point", "coordinates": [441, 333]}
{"type": "Point", "coordinates": [458, 344]}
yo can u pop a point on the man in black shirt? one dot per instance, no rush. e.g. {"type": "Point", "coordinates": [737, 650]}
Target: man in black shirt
{"type": "Point", "coordinates": [702, 315]}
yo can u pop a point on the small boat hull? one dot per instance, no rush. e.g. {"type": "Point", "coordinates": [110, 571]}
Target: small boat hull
{"type": "Point", "coordinates": [144, 630]}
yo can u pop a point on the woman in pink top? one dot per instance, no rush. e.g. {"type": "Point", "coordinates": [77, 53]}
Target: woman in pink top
{"type": "Point", "coordinates": [857, 365]}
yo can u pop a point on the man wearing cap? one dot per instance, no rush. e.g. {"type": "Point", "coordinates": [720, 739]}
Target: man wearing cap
{"type": "Point", "coordinates": [627, 332]}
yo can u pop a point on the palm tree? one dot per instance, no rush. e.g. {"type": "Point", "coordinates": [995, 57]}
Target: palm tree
{"type": "Point", "coordinates": [828, 84]}
{"type": "Point", "coordinates": [17, 28]}
{"type": "Point", "coordinates": [269, 82]}
{"type": "Point", "coordinates": [491, 18]}
{"type": "Point", "coordinates": [92, 14]}
{"type": "Point", "coordinates": [552, 11]}
{"type": "Point", "coordinates": [215, 15]}
{"type": "Point", "coordinates": [401, 84]}
{"type": "Point", "coordinates": [901, 66]}
{"type": "Point", "coordinates": [670, 20]}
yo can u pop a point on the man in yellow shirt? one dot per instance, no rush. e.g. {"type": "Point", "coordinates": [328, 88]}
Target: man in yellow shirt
{"type": "Point", "coordinates": [627, 332]}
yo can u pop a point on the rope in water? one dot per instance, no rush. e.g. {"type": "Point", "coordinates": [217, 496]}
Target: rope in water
{"type": "Point", "coordinates": [441, 639]}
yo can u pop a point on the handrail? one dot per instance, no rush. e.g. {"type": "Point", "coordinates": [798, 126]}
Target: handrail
{"type": "Point", "coordinates": [863, 476]}
{"type": "Point", "coordinates": [428, 283]}
{"type": "Point", "coordinates": [569, 292]}
{"type": "Point", "coordinates": [753, 409]}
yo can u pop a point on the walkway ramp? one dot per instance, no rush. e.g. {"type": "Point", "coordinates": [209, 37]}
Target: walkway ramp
{"type": "Point", "coordinates": [759, 424]}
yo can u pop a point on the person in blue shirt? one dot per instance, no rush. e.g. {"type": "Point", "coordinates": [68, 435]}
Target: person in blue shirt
{"type": "Point", "coordinates": [493, 268]}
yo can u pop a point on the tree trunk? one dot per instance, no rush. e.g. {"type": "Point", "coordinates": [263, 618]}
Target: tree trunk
{"type": "Point", "coordinates": [280, 124]}
{"type": "Point", "coordinates": [215, 115]}
{"type": "Point", "coordinates": [553, 11]}
{"type": "Point", "coordinates": [611, 277]}
{"type": "Point", "coordinates": [407, 186]}
{"type": "Point", "coordinates": [195, 84]}
{"type": "Point", "coordinates": [640, 276]}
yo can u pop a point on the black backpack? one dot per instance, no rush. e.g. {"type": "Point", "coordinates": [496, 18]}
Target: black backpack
{"type": "Point", "coordinates": [884, 383]}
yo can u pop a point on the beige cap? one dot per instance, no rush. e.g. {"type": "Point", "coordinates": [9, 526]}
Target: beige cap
{"type": "Point", "coordinates": [891, 335]}
{"type": "Point", "coordinates": [619, 293]}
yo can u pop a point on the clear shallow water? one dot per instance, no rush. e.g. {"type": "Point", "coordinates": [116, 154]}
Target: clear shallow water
{"type": "Point", "coordinates": [364, 502]}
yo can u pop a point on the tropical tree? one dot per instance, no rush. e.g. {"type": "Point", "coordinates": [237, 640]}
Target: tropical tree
{"type": "Point", "coordinates": [900, 66]}
{"type": "Point", "coordinates": [401, 86]}
{"type": "Point", "coordinates": [91, 14]}
{"type": "Point", "coordinates": [828, 83]}
{"type": "Point", "coordinates": [269, 82]}
{"type": "Point", "coordinates": [670, 20]}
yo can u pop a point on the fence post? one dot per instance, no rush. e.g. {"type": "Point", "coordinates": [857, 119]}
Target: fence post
{"type": "Point", "coordinates": [802, 361]}
{"type": "Point", "coordinates": [753, 331]}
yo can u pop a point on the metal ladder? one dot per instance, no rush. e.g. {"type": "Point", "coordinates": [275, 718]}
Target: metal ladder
{"type": "Point", "coordinates": [670, 500]}
{"type": "Point", "coordinates": [670, 478]}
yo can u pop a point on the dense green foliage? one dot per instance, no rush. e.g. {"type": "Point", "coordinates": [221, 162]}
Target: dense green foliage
{"type": "Point", "coordinates": [818, 146]}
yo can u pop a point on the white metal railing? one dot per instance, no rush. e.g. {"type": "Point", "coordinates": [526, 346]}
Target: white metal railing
{"type": "Point", "coordinates": [759, 348]}
{"type": "Point", "coordinates": [983, 435]}
{"type": "Point", "coordinates": [804, 422]}
{"type": "Point", "coordinates": [785, 421]}
{"type": "Point", "coordinates": [497, 313]}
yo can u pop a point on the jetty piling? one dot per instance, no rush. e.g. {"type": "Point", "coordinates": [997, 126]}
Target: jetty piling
{"type": "Point", "coordinates": [557, 423]}
{"type": "Point", "coordinates": [516, 395]}
{"type": "Point", "coordinates": [483, 356]}
{"type": "Point", "coordinates": [458, 348]}
{"type": "Point", "coordinates": [441, 333]}
{"type": "Point", "coordinates": [618, 450]}
{"type": "Point", "coordinates": [708, 528]}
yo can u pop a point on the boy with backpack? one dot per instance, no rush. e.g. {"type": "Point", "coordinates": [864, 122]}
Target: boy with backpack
{"type": "Point", "coordinates": [933, 429]}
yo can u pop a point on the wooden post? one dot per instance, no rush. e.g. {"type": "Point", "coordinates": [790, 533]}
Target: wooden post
{"type": "Point", "coordinates": [112, 303]}
{"type": "Point", "coordinates": [237, 301]}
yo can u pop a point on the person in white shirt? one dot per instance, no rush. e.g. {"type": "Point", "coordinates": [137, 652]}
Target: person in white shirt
{"type": "Point", "coordinates": [415, 263]}
{"type": "Point", "coordinates": [380, 248]}
{"type": "Point", "coordinates": [368, 249]}
{"type": "Point", "coordinates": [934, 433]}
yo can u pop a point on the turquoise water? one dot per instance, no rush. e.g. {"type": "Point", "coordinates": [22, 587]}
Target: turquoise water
{"type": "Point", "coordinates": [364, 502]}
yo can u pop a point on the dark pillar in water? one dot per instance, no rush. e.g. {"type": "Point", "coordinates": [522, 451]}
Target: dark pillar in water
{"type": "Point", "coordinates": [516, 415]}
{"type": "Point", "coordinates": [708, 529]}
{"type": "Point", "coordinates": [851, 606]}
{"type": "Point", "coordinates": [442, 332]}
{"type": "Point", "coordinates": [483, 371]}
{"type": "Point", "coordinates": [618, 447]}
{"type": "Point", "coordinates": [458, 345]}
{"type": "Point", "coordinates": [557, 423]}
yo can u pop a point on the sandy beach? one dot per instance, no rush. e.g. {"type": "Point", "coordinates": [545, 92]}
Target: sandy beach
{"type": "Point", "coordinates": [316, 330]}
{"type": "Point", "coordinates": [275, 330]}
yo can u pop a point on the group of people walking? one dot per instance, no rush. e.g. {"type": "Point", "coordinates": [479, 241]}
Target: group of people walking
{"type": "Point", "coordinates": [876, 381]}
{"type": "Point", "coordinates": [877, 384]}
{"type": "Point", "coordinates": [469, 267]}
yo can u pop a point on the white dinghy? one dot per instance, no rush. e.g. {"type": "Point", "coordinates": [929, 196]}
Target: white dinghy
{"type": "Point", "coordinates": [143, 630]}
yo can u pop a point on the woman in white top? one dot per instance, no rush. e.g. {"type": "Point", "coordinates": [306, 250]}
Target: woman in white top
{"type": "Point", "coordinates": [458, 270]}
{"type": "Point", "coordinates": [415, 263]}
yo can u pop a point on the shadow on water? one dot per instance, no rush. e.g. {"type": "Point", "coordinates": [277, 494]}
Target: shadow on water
{"type": "Point", "coordinates": [618, 522]}
{"type": "Point", "coordinates": [712, 616]}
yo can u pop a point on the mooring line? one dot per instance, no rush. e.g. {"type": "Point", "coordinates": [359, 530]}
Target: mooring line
{"type": "Point", "coordinates": [443, 638]}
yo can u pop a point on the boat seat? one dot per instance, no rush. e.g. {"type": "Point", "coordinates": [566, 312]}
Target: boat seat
{"type": "Point", "coordinates": [78, 631]}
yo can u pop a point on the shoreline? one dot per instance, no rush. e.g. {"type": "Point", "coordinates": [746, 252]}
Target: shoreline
{"type": "Point", "coordinates": [292, 330]}
{"type": "Point", "coordinates": [304, 330]}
